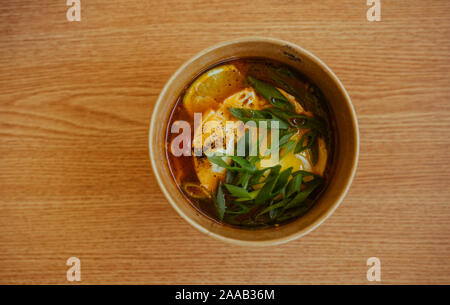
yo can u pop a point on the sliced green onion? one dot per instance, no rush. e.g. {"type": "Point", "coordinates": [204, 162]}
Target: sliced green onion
{"type": "Point", "coordinates": [195, 190]}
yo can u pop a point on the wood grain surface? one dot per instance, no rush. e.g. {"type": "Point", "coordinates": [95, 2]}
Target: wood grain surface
{"type": "Point", "coordinates": [75, 177]}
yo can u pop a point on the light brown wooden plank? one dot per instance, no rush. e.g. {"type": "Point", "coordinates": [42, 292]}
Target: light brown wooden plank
{"type": "Point", "coordinates": [75, 179]}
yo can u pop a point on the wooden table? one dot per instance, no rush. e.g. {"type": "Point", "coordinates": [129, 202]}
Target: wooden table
{"type": "Point", "coordinates": [75, 177]}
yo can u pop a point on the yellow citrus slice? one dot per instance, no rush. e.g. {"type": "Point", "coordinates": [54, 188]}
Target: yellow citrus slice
{"type": "Point", "coordinates": [212, 87]}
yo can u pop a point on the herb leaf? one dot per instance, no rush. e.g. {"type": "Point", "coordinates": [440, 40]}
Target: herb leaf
{"type": "Point", "coordinates": [230, 176]}
{"type": "Point", "coordinates": [311, 138]}
{"type": "Point", "coordinates": [286, 138]}
{"type": "Point", "coordinates": [294, 185]}
{"type": "Point", "coordinates": [288, 147]}
{"type": "Point", "coordinates": [301, 196]}
{"type": "Point", "coordinates": [298, 120]}
{"type": "Point", "coordinates": [271, 94]}
{"type": "Point", "coordinates": [266, 191]}
{"type": "Point", "coordinates": [243, 179]}
{"type": "Point", "coordinates": [245, 166]}
{"type": "Point", "coordinates": [237, 191]}
{"type": "Point", "coordinates": [272, 207]}
{"type": "Point", "coordinates": [257, 116]}
{"type": "Point", "coordinates": [220, 201]}
{"type": "Point", "coordinates": [282, 181]}
{"type": "Point", "coordinates": [314, 151]}
{"type": "Point", "coordinates": [290, 82]}
{"type": "Point", "coordinates": [256, 178]}
{"type": "Point", "coordinates": [283, 142]}
{"type": "Point", "coordinates": [252, 195]}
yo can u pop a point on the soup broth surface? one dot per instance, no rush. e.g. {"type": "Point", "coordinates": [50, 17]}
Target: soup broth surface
{"type": "Point", "coordinates": [250, 102]}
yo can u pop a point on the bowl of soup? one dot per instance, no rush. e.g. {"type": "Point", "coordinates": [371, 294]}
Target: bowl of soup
{"type": "Point", "coordinates": [254, 141]}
